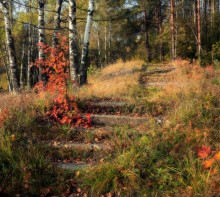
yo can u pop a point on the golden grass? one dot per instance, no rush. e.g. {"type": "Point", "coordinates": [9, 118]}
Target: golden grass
{"type": "Point", "coordinates": [189, 78]}
{"type": "Point", "coordinates": [9, 101]}
{"type": "Point", "coordinates": [114, 81]}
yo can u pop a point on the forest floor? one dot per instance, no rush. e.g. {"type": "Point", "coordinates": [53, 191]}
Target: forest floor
{"type": "Point", "coordinates": [155, 132]}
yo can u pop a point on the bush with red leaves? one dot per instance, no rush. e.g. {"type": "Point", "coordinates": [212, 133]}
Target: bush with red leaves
{"type": "Point", "coordinates": [55, 68]}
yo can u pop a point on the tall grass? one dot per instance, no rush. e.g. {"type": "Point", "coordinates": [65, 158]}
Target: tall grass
{"type": "Point", "coordinates": [164, 161]}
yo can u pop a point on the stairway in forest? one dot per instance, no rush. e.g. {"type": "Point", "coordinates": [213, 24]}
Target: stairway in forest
{"type": "Point", "coordinates": [95, 143]}
{"type": "Point", "coordinates": [157, 75]}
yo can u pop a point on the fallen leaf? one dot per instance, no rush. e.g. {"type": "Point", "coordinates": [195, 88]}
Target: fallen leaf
{"type": "Point", "coordinates": [208, 163]}
{"type": "Point", "coordinates": [203, 152]}
{"type": "Point", "coordinates": [217, 156]}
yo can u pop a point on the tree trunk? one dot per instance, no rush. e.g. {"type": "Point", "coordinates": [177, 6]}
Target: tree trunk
{"type": "Point", "coordinates": [99, 49]}
{"type": "Point", "coordinates": [57, 21]}
{"type": "Point", "coordinates": [147, 43]}
{"type": "Point", "coordinates": [183, 8]}
{"type": "Point", "coordinates": [160, 30]}
{"type": "Point", "coordinates": [212, 13]}
{"type": "Point", "coordinates": [10, 47]}
{"type": "Point", "coordinates": [109, 40]}
{"type": "Point", "coordinates": [172, 28]}
{"type": "Point", "coordinates": [106, 59]}
{"type": "Point", "coordinates": [85, 51]}
{"type": "Point", "coordinates": [206, 25]}
{"type": "Point", "coordinates": [30, 54]}
{"type": "Point", "coordinates": [11, 11]}
{"type": "Point", "coordinates": [6, 62]}
{"type": "Point", "coordinates": [73, 50]}
{"type": "Point", "coordinates": [23, 68]}
{"type": "Point", "coordinates": [30, 48]}
{"type": "Point", "coordinates": [198, 29]}
{"type": "Point", "coordinates": [195, 13]}
{"type": "Point", "coordinates": [41, 36]}
{"type": "Point", "coordinates": [8, 75]}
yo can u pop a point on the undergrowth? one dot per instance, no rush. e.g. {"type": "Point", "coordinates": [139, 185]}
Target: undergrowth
{"type": "Point", "coordinates": [180, 157]}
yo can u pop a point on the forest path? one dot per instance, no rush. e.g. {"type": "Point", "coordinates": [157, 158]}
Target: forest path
{"type": "Point", "coordinates": [92, 146]}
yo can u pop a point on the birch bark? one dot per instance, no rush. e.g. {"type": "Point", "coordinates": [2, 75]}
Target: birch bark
{"type": "Point", "coordinates": [10, 46]}
{"type": "Point", "coordinates": [41, 35]}
{"type": "Point", "coordinates": [30, 48]}
{"type": "Point", "coordinates": [85, 51]}
{"type": "Point", "coordinates": [73, 49]}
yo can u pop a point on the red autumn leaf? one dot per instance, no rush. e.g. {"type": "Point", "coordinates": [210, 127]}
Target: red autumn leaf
{"type": "Point", "coordinates": [203, 152]}
{"type": "Point", "coordinates": [55, 67]}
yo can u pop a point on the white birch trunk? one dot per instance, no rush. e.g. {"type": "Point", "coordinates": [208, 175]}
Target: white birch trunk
{"type": "Point", "coordinates": [41, 34]}
{"type": "Point", "coordinates": [6, 63]}
{"type": "Point", "coordinates": [73, 50]}
{"type": "Point", "coordinates": [10, 47]}
{"type": "Point", "coordinates": [85, 51]}
{"type": "Point", "coordinates": [30, 48]}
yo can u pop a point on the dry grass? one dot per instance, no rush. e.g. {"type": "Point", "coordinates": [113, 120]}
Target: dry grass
{"type": "Point", "coordinates": [9, 101]}
{"type": "Point", "coordinates": [113, 81]}
{"type": "Point", "coordinates": [188, 78]}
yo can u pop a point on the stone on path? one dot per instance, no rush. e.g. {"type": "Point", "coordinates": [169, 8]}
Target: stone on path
{"type": "Point", "coordinates": [81, 146]}
{"type": "Point", "coordinates": [73, 166]}
{"type": "Point", "coordinates": [118, 120]}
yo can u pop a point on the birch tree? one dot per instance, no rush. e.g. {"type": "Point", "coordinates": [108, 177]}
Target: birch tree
{"type": "Point", "coordinates": [73, 50]}
{"type": "Point", "coordinates": [10, 46]}
{"type": "Point", "coordinates": [85, 51]}
{"type": "Point", "coordinates": [57, 21]}
{"type": "Point", "coordinates": [41, 34]}
{"type": "Point", "coordinates": [30, 46]}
